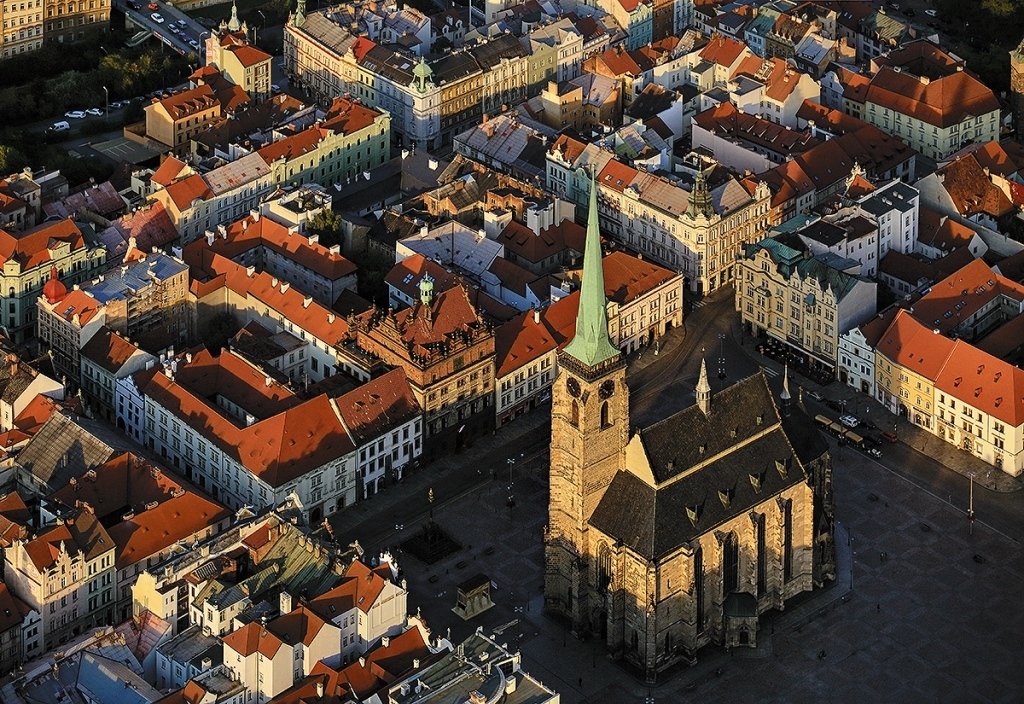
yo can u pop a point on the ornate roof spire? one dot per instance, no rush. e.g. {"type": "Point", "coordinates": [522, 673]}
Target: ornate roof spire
{"type": "Point", "coordinates": [233, 24]}
{"type": "Point", "coordinates": [704, 389]}
{"type": "Point", "coordinates": [591, 344]}
{"type": "Point", "coordinates": [700, 197]}
{"type": "Point", "coordinates": [299, 18]}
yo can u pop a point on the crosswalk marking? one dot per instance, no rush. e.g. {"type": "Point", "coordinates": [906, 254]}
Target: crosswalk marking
{"type": "Point", "coordinates": [700, 303]}
{"type": "Point", "coordinates": [770, 372]}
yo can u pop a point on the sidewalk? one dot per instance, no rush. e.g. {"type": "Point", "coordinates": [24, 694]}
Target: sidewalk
{"type": "Point", "coordinates": [911, 435]}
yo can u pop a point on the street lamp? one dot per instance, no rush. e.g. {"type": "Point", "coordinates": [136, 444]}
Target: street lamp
{"type": "Point", "coordinates": [106, 101]}
{"type": "Point", "coordinates": [511, 462]}
{"type": "Point", "coordinates": [202, 46]}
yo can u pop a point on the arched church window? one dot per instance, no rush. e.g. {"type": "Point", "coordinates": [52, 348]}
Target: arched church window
{"type": "Point", "coordinates": [575, 414]}
{"type": "Point", "coordinates": [605, 420]}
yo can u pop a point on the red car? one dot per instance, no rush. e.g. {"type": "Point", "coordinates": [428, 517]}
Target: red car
{"type": "Point", "coordinates": [153, 7]}
{"type": "Point", "coordinates": [890, 436]}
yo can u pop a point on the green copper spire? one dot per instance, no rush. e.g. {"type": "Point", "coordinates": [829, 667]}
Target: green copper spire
{"type": "Point", "coordinates": [591, 344]}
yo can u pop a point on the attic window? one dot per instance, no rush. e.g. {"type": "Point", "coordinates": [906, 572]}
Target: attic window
{"type": "Point", "coordinates": [760, 419]}
{"type": "Point", "coordinates": [998, 374]}
{"type": "Point", "coordinates": [725, 496]}
{"type": "Point", "coordinates": [693, 513]}
{"type": "Point", "coordinates": [981, 368]}
{"type": "Point", "coordinates": [733, 432]}
{"type": "Point", "coordinates": [782, 467]}
{"type": "Point", "coordinates": [701, 449]}
{"type": "Point", "coordinates": [977, 392]}
{"type": "Point", "coordinates": [998, 401]}
{"type": "Point", "coordinates": [755, 481]}
{"type": "Point", "coordinates": [956, 382]}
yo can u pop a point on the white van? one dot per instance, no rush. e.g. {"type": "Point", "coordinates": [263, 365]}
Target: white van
{"type": "Point", "coordinates": [62, 126]}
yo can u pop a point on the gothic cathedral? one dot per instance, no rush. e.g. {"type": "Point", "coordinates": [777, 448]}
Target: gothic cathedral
{"type": "Point", "coordinates": [661, 540]}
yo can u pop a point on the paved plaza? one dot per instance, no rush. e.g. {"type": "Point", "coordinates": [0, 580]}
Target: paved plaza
{"type": "Point", "coordinates": [935, 620]}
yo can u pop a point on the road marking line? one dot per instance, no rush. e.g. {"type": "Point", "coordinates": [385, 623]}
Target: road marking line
{"type": "Point", "coordinates": [770, 372]}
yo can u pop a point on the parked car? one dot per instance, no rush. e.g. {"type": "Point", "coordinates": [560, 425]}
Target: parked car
{"type": "Point", "coordinates": [61, 126]}
{"type": "Point", "coordinates": [74, 114]}
{"type": "Point", "coordinates": [132, 5]}
{"type": "Point", "coordinates": [910, 12]}
{"type": "Point", "coordinates": [890, 436]}
{"type": "Point", "coordinates": [850, 421]}
{"type": "Point", "coordinates": [182, 23]}
{"type": "Point", "coordinates": [95, 112]}
{"type": "Point", "coordinates": [815, 395]}
{"type": "Point", "coordinates": [157, 17]}
{"type": "Point", "coordinates": [274, 87]}
{"type": "Point", "coordinates": [874, 452]}
{"type": "Point", "coordinates": [174, 30]}
{"type": "Point", "coordinates": [834, 405]}
{"type": "Point", "coordinates": [194, 44]}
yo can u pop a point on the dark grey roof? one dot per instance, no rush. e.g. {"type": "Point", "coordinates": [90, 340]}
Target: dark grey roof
{"type": "Point", "coordinates": [63, 449]}
{"type": "Point", "coordinates": [490, 54]}
{"type": "Point", "coordinates": [750, 469]}
{"type": "Point", "coordinates": [390, 64]}
{"type": "Point", "coordinates": [652, 101]}
{"type": "Point", "coordinates": [675, 443]}
{"type": "Point", "coordinates": [824, 232]}
{"type": "Point", "coordinates": [899, 196]}
{"type": "Point", "coordinates": [454, 66]}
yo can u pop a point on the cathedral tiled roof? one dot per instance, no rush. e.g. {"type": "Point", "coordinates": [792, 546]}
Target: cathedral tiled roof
{"type": "Point", "coordinates": [748, 462]}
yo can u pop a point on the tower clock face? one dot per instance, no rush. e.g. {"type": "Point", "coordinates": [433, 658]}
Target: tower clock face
{"type": "Point", "coordinates": [607, 389]}
{"type": "Point", "coordinates": [573, 387]}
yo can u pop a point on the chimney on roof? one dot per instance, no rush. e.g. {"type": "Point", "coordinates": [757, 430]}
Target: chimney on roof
{"type": "Point", "coordinates": [320, 689]}
{"type": "Point", "coordinates": [209, 238]}
{"type": "Point", "coordinates": [536, 316]}
{"type": "Point", "coordinates": [269, 381]}
{"type": "Point", "coordinates": [306, 301]}
{"type": "Point", "coordinates": [285, 603]}
{"type": "Point", "coordinates": [385, 641]}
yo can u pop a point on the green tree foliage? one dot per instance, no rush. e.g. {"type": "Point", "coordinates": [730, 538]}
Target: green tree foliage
{"type": "Point", "coordinates": [327, 225]}
{"type": "Point", "coordinates": [11, 159]}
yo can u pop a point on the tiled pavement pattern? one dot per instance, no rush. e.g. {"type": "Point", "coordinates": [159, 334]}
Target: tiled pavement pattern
{"type": "Point", "coordinates": [927, 624]}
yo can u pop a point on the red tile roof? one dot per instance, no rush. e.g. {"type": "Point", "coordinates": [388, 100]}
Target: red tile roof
{"type": "Point", "coordinates": [626, 277]}
{"type": "Point", "coordinates": [962, 294]}
{"type": "Point", "coordinates": [913, 346]}
{"type": "Point", "coordinates": [941, 231]}
{"type": "Point", "coordinates": [941, 102]}
{"type": "Point", "coordinates": [971, 189]}
{"type": "Point", "coordinates": [520, 341]}
{"type": "Point", "coordinates": [12, 610]}
{"type": "Point", "coordinates": [168, 172]}
{"type": "Point", "coordinates": [32, 247]}
{"type": "Point", "coordinates": [248, 55]}
{"type": "Point", "coordinates": [359, 588]}
{"type": "Point", "coordinates": [188, 102]}
{"type": "Point", "coordinates": [348, 117]}
{"type": "Point", "coordinates": [299, 437]}
{"type": "Point", "coordinates": [185, 192]}
{"type": "Point", "coordinates": [15, 517]}
{"type": "Point", "coordinates": [164, 509]}
{"type": "Point", "coordinates": [984, 382]}
{"type": "Point", "coordinates": [109, 350]}
{"type": "Point", "coordinates": [251, 638]}
{"type": "Point", "coordinates": [294, 146]}
{"type": "Point", "coordinates": [300, 625]}
{"type": "Point", "coordinates": [378, 406]}
{"type": "Point", "coordinates": [535, 248]}
{"type": "Point", "coordinates": [723, 50]}
{"type": "Point", "coordinates": [77, 303]}
{"type": "Point", "coordinates": [286, 300]}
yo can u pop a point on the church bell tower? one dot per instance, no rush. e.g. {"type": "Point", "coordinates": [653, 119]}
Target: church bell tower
{"type": "Point", "coordinates": [589, 431]}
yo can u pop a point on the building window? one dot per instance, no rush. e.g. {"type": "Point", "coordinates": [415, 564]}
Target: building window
{"type": "Point", "coordinates": [730, 565]}
{"type": "Point", "coordinates": [698, 586]}
{"type": "Point", "coordinates": [605, 421]}
{"type": "Point", "coordinates": [575, 417]}
{"type": "Point", "coordinates": [762, 558]}
{"type": "Point", "coordinates": [787, 545]}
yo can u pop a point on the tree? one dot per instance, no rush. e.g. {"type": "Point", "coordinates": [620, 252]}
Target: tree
{"type": "Point", "coordinates": [327, 225]}
{"type": "Point", "coordinates": [11, 159]}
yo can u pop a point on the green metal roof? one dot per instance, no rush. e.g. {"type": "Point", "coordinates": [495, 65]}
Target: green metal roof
{"type": "Point", "coordinates": [591, 344]}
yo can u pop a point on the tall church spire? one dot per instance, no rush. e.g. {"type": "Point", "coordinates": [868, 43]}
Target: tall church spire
{"type": "Point", "coordinates": [704, 389]}
{"type": "Point", "coordinates": [591, 344]}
